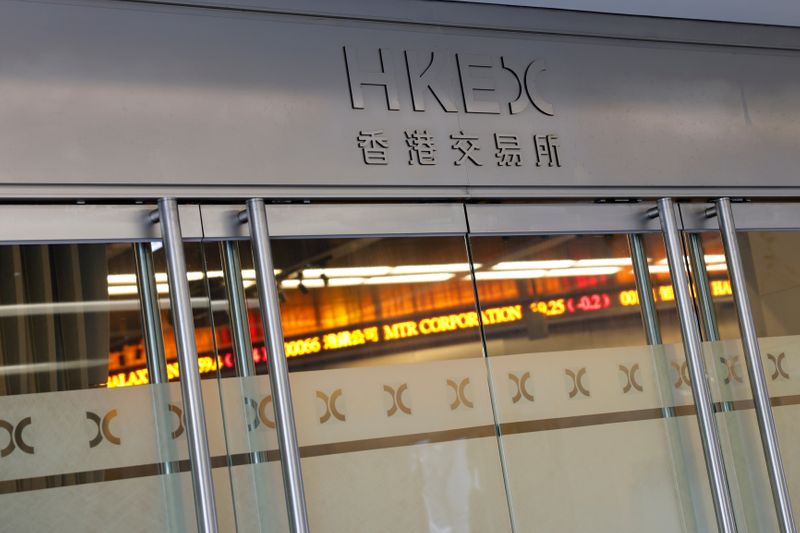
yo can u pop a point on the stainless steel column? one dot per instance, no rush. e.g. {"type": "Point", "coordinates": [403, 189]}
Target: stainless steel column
{"type": "Point", "coordinates": [758, 383]}
{"type": "Point", "coordinates": [239, 320]}
{"type": "Point", "coordinates": [702, 292]}
{"type": "Point", "coordinates": [641, 274]}
{"type": "Point", "coordinates": [151, 313]}
{"type": "Point", "coordinates": [652, 327]}
{"type": "Point", "coordinates": [708, 317]}
{"type": "Point", "coordinates": [709, 433]}
{"type": "Point", "coordinates": [237, 305]}
{"type": "Point", "coordinates": [202, 482]}
{"type": "Point", "coordinates": [278, 369]}
{"type": "Point", "coordinates": [154, 346]}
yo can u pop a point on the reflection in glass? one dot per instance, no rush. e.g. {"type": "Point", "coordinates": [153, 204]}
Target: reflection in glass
{"type": "Point", "coordinates": [69, 328]}
{"type": "Point", "coordinates": [246, 422]}
{"type": "Point", "coordinates": [730, 384]}
{"type": "Point", "coordinates": [389, 382]}
{"type": "Point", "coordinates": [771, 261]}
{"type": "Point", "coordinates": [597, 430]}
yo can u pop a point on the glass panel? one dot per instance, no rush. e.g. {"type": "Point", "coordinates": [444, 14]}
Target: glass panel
{"type": "Point", "coordinates": [598, 429]}
{"type": "Point", "coordinates": [389, 385]}
{"type": "Point", "coordinates": [771, 261]}
{"type": "Point", "coordinates": [77, 442]}
{"type": "Point", "coordinates": [730, 389]}
{"type": "Point", "coordinates": [244, 389]}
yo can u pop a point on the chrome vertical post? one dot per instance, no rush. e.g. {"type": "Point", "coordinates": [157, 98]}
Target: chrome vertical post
{"type": "Point", "coordinates": [709, 433]}
{"type": "Point", "coordinates": [239, 319]}
{"type": "Point", "coordinates": [652, 327]}
{"type": "Point", "coordinates": [705, 302]}
{"type": "Point", "coordinates": [151, 313]}
{"type": "Point", "coordinates": [202, 481]}
{"type": "Point", "coordinates": [708, 317]}
{"type": "Point", "coordinates": [237, 305]}
{"type": "Point", "coordinates": [153, 342]}
{"type": "Point", "coordinates": [278, 369]}
{"type": "Point", "coordinates": [752, 352]}
{"type": "Point", "coordinates": [641, 274]}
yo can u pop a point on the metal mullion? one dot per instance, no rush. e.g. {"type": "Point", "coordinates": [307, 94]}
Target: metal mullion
{"type": "Point", "coordinates": [150, 313]}
{"type": "Point", "coordinates": [705, 302]}
{"type": "Point", "coordinates": [752, 352]}
{"type": "Point", "coordinates": [641, 275]}
{"type": "Point", "coordinates": [490, 382]}
{"type": "Point", "coordinates": [647, 303]}
{"type": "Point", "coordinates": [709, 433]}
{"type": "Point", "coordinates": [153, 337]}
{"type": "Point", "coordinates": [202, 482]}
{"type": "Point", "coordinates": [237, 307]}
{"type": "Point", "coordinates": [708, 316]}
{"type": "Point", "coordinates": [239, 319]}
{"type": "Point", "coordinates": [278, 368]}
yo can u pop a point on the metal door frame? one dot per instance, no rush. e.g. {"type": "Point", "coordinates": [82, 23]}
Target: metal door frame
{"type": "Point", "coordinates": [221, 222]}
{"type": "Point", "coordinates": [76, 223]}
{"type": "Point", "coordinates": [749, 216]}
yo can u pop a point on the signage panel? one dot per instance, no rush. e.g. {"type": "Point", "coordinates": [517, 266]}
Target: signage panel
{"type": "Point", "coordinates": [187, 96]}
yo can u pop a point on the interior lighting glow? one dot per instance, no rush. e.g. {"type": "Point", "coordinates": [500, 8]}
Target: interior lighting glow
{"type": "Point", "coordinates": [428, 269]}
{"type": "Point", "coordinates": [511, 274]}
{"type": "Point", "coordinates": [308, 283]}
{"type": "Point", "coordinates": [121, 279]}
{"type": "Point", "coordinates": [608, 261]}
{"type": "Point", "coordinates": [410, 278]}
{"type": "Point", "coordinates": [345, 282]}
{"type": "Point", "coordinates": [664, 269]}
{"type": "Point", "coordinates": [575, 271]}
{"type": "Point", "coordinates": [346, 272]}
{"type": "Point", "coordinates": [532, 265]}
{"type": "Point", "coordinates": [708, 258]}
{"type": "Point", "coordinates": [161, 277]}
{"type": "Point", "coordinates": [119, 290]}
{"type": "Point", "coordinates": [247, 273]}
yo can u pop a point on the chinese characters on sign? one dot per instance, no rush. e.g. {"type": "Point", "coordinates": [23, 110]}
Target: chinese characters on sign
{"type": "Point", "coordinates": [374, 146]}
{"type": "Point", "coordinates": [421, 150]}
{"type": "Point", "coordinates": [509, 150]}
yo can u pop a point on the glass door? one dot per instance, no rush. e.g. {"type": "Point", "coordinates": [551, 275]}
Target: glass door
{"type": "Point", "coordinates": [746, 289]}
{"type": "Point", "coordinates": [592, 391]}
{"type": "Point", "coordinates": [559, 367]}
{"type": "Point", "coordinates": [99, 428]}
{"type": "Point", "coordinates": [390, 391]}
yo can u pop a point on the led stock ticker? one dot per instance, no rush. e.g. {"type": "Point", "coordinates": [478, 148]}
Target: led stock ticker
{"type": "Point", "coordinates": [439, 324]}
{"type": "Point", "coordinates": [573, 304]}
